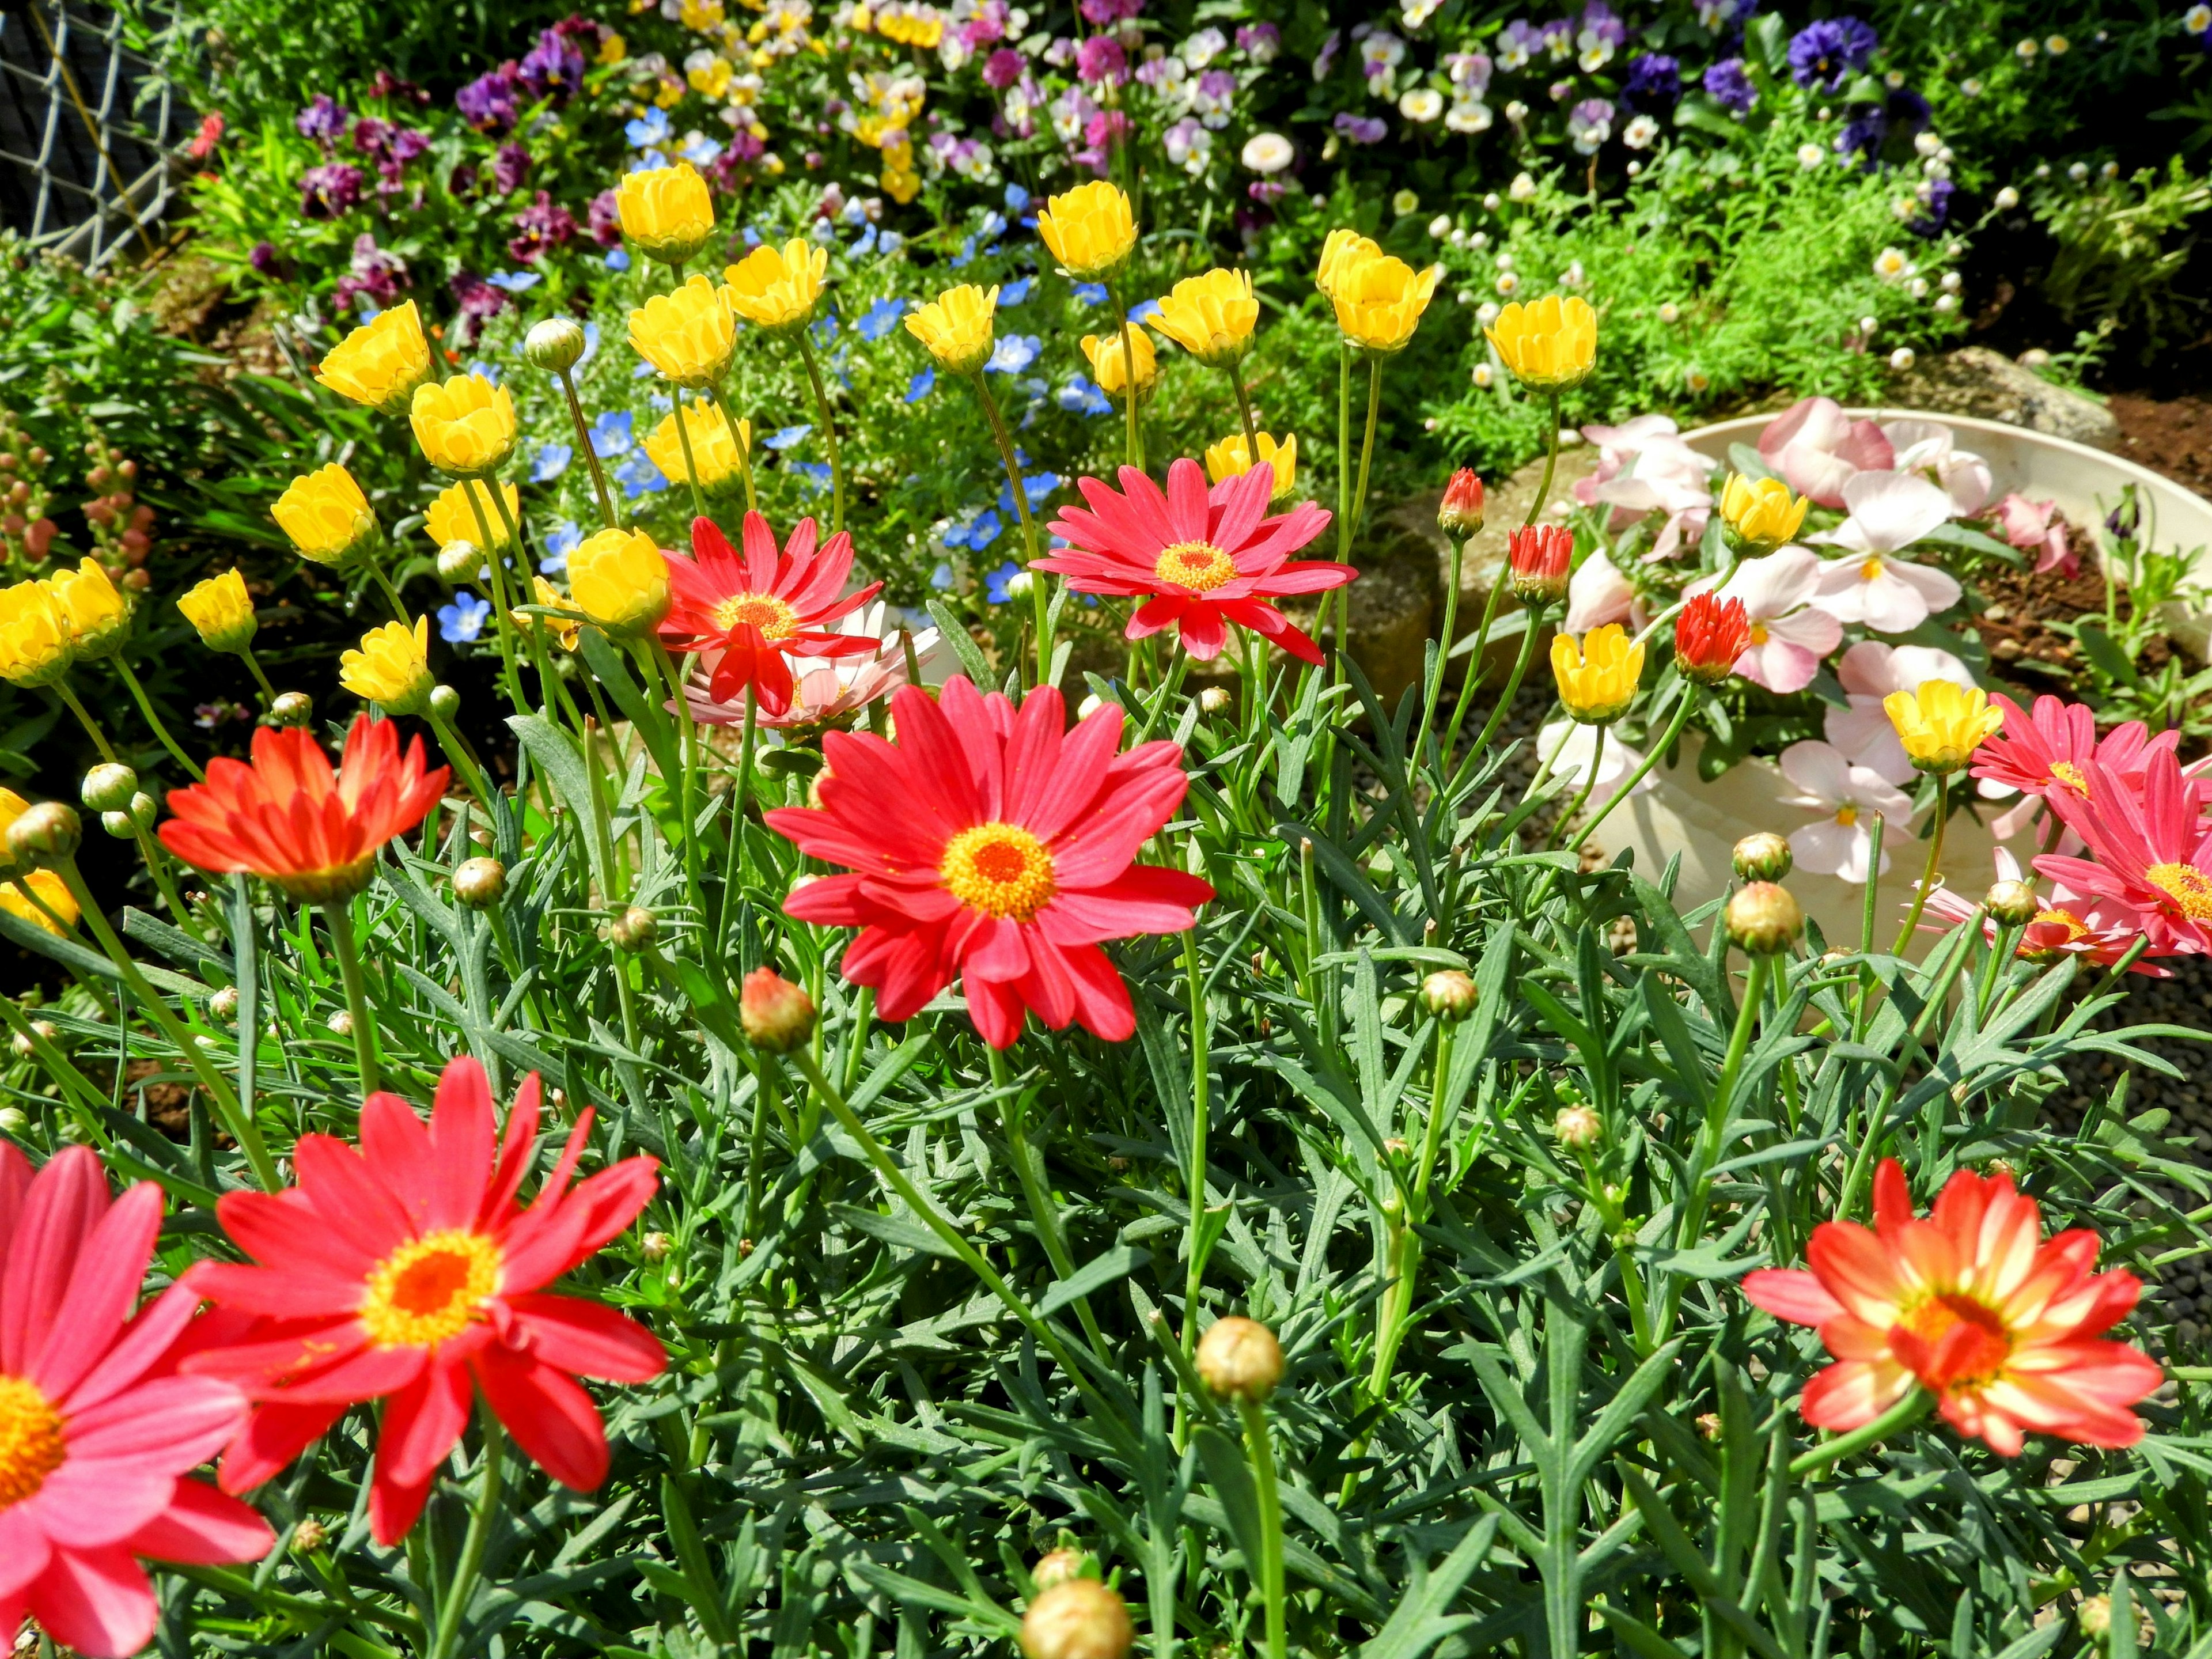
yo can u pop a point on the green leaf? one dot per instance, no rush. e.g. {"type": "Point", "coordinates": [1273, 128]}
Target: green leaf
{"type": "Point", "coordinates": [1101, 1270]}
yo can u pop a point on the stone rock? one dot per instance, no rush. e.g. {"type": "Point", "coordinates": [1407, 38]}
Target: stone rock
{"type": "Point", "coordinates": [1976, 381]}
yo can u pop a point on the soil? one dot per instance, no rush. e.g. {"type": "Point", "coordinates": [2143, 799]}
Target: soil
{"type": "Point", "coordinates": [2172, 435]}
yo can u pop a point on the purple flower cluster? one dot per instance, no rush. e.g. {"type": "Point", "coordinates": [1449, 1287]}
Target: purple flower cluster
{"type": "Point", "coordinates": [1652, 75]}
{"type": "Point", "coordinates": [1936, 203]}
{"type": "Point", "coordinates": [510, 165]}
{"type": "Point", "coordinates": [389, 147]}
{"type": "Point", "coordinates": [1002, 69]}
{"type": "Point", "coordinates": [1730, 86]}
{"type": "Point", "coordinates": [1360, 128]}
{"type": "Point", "coordinates": [1099, 58]}
{"type": "Point", "coordinates": [378, 272]}
{"type": "Point", "coordinates": [1260, 42]}
{"type": "Point", "coordinates": [479, 302]}
{"type": "Point", "coordinates": [330, 191]}
{"type": "Point", "coordinates": [1902, 112]}
{"type": "Point", "coordinates": [539, 229]}
{"type": "Point", "coordinates": [490, 102]}
{"type": "Point", "coordinates": [554, 68]}
{"type": "Point", "coordinates": [1103, 14]}
{"type": "Point", "coordinates": [603, 219]}
{"type": "Point", "coordinates": [1826, 53]}
{"type": "Point", "coordinates": [324, 119]}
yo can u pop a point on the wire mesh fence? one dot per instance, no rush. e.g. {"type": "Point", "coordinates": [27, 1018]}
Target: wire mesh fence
{"type": "Point", "coordinates": [90, 132]}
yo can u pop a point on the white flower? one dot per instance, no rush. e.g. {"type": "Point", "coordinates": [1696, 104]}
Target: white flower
{"type": "Point", "coordinates": [1946, 302]}
{"type": "Point", "coordinates": [2197, 19]}
{"type": "Point", "coordinates": [1809, 157]}
{"type": "Point", "coordinates": [1267, 152]}
{"type": "Point", "coordinates": [2056, 44]}
{"type": "Point", "coordinates": [1418, 12]}
{"type": "Point", "coordinates": [1971, 86]}
{"type": "Point", "coordinates": [1203, 47]}
{"type": "Point", "coordinates": [1918, 288]}
{"type": "Point", "coordinates": [1889, 511]}
{"type": "Point", "coordinates": [1486, 313]}
{"type": "Point", "coordinates": [1441, 227]}
{"type": "Point", "coordinates": [2110, 170]}
{"type": "Point", "coordinates": [1847, 797]}
{"type": "Point", "coordinates": [1669, 312]}
{"type": "Point", "coordinates": [2025, 50]}
{"type": "Point", "coordinates": [1422, 104]}
{"type": "Point", "coordinates": [1926, 143]}
{"type": "Point", "coordinates": [1901, 359]}
{"type": "Point", "coordinates": [1485, 377]}
{"type": "Point", "coordinates": [1929, 448]}
{"type": "Point", "coordinates": [1566, 747]}
{"type": "Point", "coordinates": [1904, 208]}
{"type": "Point", "coordinates": [1889, 264]}
{"type": "Point", "coordinates": [1509, 283]}
{"type": "Point", "coordinates": [1598, 593]}
{"type": "Point", "coordinates": [1479, 240]}
{"type": "Point", "coordinates": [1381, 50]}
{"type": "Point", "coordinates": [1870, 671]}
{"type": "Point", "coordinates": [2078, 172]}
{"type": "Point", "coordinates": [1697, 381]}
{"type": "Point", "coordinates": [1523, 187]}
{"type": "Point", "coordinates": [1505, 260]}
{"type": "Point", "coordinates": [825, 686]}
{"type": "Point", "coordinates": [1574, 275]}
{"type": "Point", "coordinates": [1489, 202]}
{"type": "Point", "coordinates": [1640, 133]}
{"type": "Point", "coordinates": [1951, 282]}
{"type": "Point", "coordinates": [1469, 115]}
{"type": "Point", "coordinates": [1867, 327]}
{"type": "Point", "coordinates": [1790, 632]}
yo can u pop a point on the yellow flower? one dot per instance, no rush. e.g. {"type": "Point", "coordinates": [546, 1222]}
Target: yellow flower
{"type": "Point", "coordinates": [12, 806]}
{"type": "Point", "coordinates": [1229, 457]}
{"type": "Point", "coordinates": [666, 212]}
{"type": "Point", "coordinates": [901, 184]}
{"type": "Point", "coordinates": [777, 289]}
{"type": "Point", "coordinates": [564, 630]}
{"type": "Point", "coordinates": [956, 326]}
{"type": "Point", "coordinates": [1597, 680]}
{"type": "Point", "coordinates": [451, 518]}
{"type": "Point", "coordinates": [1941, 724]}
{"type": "Point", "coordinates": [1091, 230]}
{"type": "Point", "coordinates": [392, 667]}
{"type": "Point", "coordinates": [1211, 316]}
{"type": "Point", "coordinates": [1344, 250]}
{"type": "Point", "coordinates": [223, 610]}
{"type": "Point", "coordinates": [96, 613]}
{"type": "Point", "coordinates": [1108, 360]}
{"type": "Point", "coordinates": [34, 635]}
{"type": "Point", "coordinates": [466, 426]}
{"type": "Point", "coordinates": [1761, 515]}
{"type": "Point", "coordinates": [53, 892]}
{"type": "Point", "coordinates": [1549, 345]}
{"type": "Point", "coordinates": [712, 453]}
{"type": "Point", "coordinates": [1379, 301]}
{"type": "Point", "coordinates": [325, 514]}
{"type": "Point", "coordinates": [689, 336]}
{"type": "Point", "coordinates": [612, 48]}
{"type": "Point", "coordinates": [619, 580]}
{"type": "Point", "coordinates": [381, 362]}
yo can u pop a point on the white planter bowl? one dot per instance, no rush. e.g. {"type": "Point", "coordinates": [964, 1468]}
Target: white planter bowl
{"type": "Point", "coordinates": [1701, 821]}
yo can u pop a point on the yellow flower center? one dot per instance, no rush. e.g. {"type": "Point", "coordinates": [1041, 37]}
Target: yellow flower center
{"type": "Point", "coordinates": [774, 618]}
{"type": "Point", "coordinates": [2075, 928]}
{"type": "Point", "coordinates": [2071, 774]}
{"type": "Point", "coordinates": [1199, 566]}
{"type": "Point", "coordinates": [1870, 569]}
{"type": "Point", "coordinates": [2189, 887]}
{"type": "Point", "coordinates": [30, 1445]}
{"type": "Point", "coordinates": [1000, 869]}
{"type": "Point", "coordinates": [1847, 816]}
{"type": "Point", "coordinates": [1970, 1341]}
{"type": "Point", "coordinates": [430, 1290]}
{"type": "Point", "coordinates": [1758, 633]}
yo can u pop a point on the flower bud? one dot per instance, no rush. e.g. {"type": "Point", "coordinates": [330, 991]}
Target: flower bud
{"type": "Point", "coordinates": [44, 835]}
{"type": "Point", "coordinates": [2094, 1615]}
{"type": "Point", "coordinates": [2014, 903]}
{"type": "Point", "coordinates": [460, 561]}
{"type": "Point", "coordinates": [108, 789]}
{"type": "Point", "coordinates": [654, 1247]}
{"type": "Point", "coordinates": [1578, 1126]}
{"type": "Point", "coordinates": [1765, 856]}
{"type": "Point", "coordinates": [634, 929]}
{"type": "Point", "coordinates": [554, 345]}
{"type": "Point", "coordinates": [1538, 559]}
{"type": "Point", "coordinates": [1763, 919]}
{"type": "Point", "coordinates": [291, 708]}
{"type": "Point", "coordinates": [445, 703]}
{"type": "Point", "coordinates": [1460, 513]}
{"type": "Point", "coordinates": [1076, 1618]}
{"type": "Point", "coordinates": [14, 1120]}
{"type": "Point", "coordinates": [223, 1005]}
{"type": "Point", "coordinates": [480, 882]}
{"type": "Point", "coordinates": [1449, 993]}
{"type": "Point", "coordinates": [1057, 1568]}
{"type": "Point", "coordinates": [309, 1536]}
{"type": "Point", "coordinates": [121, 825]}
{"type": "Point", "coordinates": [1239, 1359]}
{"type": "Point", "coordinates": [143, 809]}
{"type": "Point", "coordinates": [341, 1022]}
{"type": "Point", "coordinates": [1213, 699]}
{"type": "Point", "coordinates": [777, 1015]}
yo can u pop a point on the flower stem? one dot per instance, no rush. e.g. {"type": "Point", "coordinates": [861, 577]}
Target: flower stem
{"type": "Point", "coordinates": [146, 708]}
{"type": "Point", "coordinates": [1928, 876]}
{"type": "Point", "coordinates": [1244, 414]}
{"type": "Point", "coordinates": [1650, 759]}
{"type": "Point", "coordinates": [1512, 688]}
{"type": "Point", "coordinates": [1028, 1166]}
{"type": "Point", "coordinates": [84, 718]}
{"type": "Point", "coordinates": [829, 432]}
{"type": "Point", "coordinates": [690, 466]}
{"type": "Point", "coordinates": [463, 757]}
{"type": "Point", "coordinates": [1905, 1413]}
{"type": "Point", "coordinates": [390, 594]}
{"type": "Point", "coordinates": [739, 443]}
{"type": "Point", "coordinates": [1443, 652]}
{"type": "Point", "coordinates": [1195, 1184]}
{"type": "Point", "coordinates": [591, 455]}
{"type": "Point", "coordinates": [1707, 1152]}
{"type": "Point", "coordinates": [260, 678]}
{"type": "Point", "coordinates": [1582, 794]}
{"type": "Point", "coordinates": [1260, 1447]}
{"type": "Point", "coordinates": [1550, 466]}
{"type": "Point", "coordinates": [339, 915]}
{"type": "Point", "coordinates": [1135, 443]}
{"type": "Point", "coordinates": [1038, 595]}
{"type": "Point", "coordinates": [1471, 677]}
{"type": "Point", "coordinates": [454, 1606]}
{"type": "Point", "coordinates": [503, 626]}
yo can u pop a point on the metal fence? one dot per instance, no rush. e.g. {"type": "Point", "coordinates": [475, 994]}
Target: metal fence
{"type": "Point", "coordinates": [88, 130]}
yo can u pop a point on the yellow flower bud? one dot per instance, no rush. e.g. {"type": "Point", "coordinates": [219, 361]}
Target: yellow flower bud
{"type": "Point", "coordinates": [326, 516]}
{"type": "Point", "coordinates": [1763, 919]}
{"type": "Point", "coordinates": [714, 452]}
{"type": "Point", "coordinates": [667, 213]}
{"type": "Point", "coordinates": [777, 289]}
{"type": "Point", "coordinates": [1597, 678]}
{"type": "Point", "coordinates": [392, 667]}
{"type": "Point", "coordinates": [381, 362]}
{"type": "Point", "coordinates": [34, 635]}
{"type": "Point", "coordinates": [1379, 302]}
{"type": "Point", "coordinates": [1549, 345]}
{"type": "Point", "coordinates": [1212, 317]}
{"type": "Point", "coordinates": [1941, 724]}
{"type": "Point", "coordinates": [52, 892]}
{"type": "Point", "coordinates": [1344, 250]}
{"type": "Point", "coordinates": [619, 580]}
{"type": "Point", "coordinates": [97, 614]}
{"type": "Point", "coordinates": [450, 518]}
{"type": "Point", "coordinates": [223, 610]}
{"type": "Point", "coordinates": [1239, 1359]}
{"type": "Point", "coordinates": [956, 327]}
{"type": "Point", "coordinates": [1091, 230]}
{"type": "Point", "coordinates": [1109, 360]}
{"type": "Point", "coordinates": [1076, 1618]}
{"type": "Point", "coordinates": [564, 629]}
{"type": "Point", "coordinates": [689, 336]}
{"type": "Point", "coordinates": [12, 806]}
{"type": "Point", "coordinates": [1760, 514]}
{"type": "Point", "coordinates": [1229, 457]}
{"type": "Point", "coordinates": [466, 426]}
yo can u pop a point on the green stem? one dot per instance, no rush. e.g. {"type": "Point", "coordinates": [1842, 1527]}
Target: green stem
{"type": "Point", "coordinates": [1550, 466]}
{"type": "Point", "coordinates": [1471, 676]}
{"type": "Point", "coordinates": [503, 626]}
{"type": "Point", "coordinates": [591, 455]}
{"type": "Point", "coordinates": [1707, 1152]}
{"type": "Point", "coordinates": [84, 718]}
{"type": "Point", "coordinates": [1165, 695]}
{"type": "Point", "coordinates": [260, 678]}
{"type": "Point", "coordinates": [1134, 440]}
{"type": "Point", "coordinates": [146, 708]}
{"type": "Point", "coordinates": [1582, 794]}
{"type": "Point", "coordinates": [739, 443]}
{"type": "Point", "coordinates": [1044, 1213]}
{"type": "Point", "coordinates": [1040, 598]}
{"type": "Point", "coordinates": [1905, 1413]}
{"type": "Point", "coordinates": [457, 751]}
{"type": "Point", "coordinates": [1194, 1183]}
{"type": "Point", "coordinates": [1650, 759]}
{"type": "Point", "coordinates": [829, 432]}
{"type": "Point", "coordinates": [1481, 744]}
{"type": "Point", "coordinates": [1259, 1446]}
{"type": "Point", "coordinates": [1367, 444]}
{"type": "Point", "coordinates": [455, 1604]}
{"type": "Point", "coordinates": [690, 466]}
{"type": "Point", "coordinates": [1443, 652]}
{"type": "Point", "coordinates": [392, 594]}
{"type": "Point", "coordinates": [339, 915]}
{"type": "Point", "coordinates": [1928, 874]}
{"type": "Point", "coordinates": [1244, 414]}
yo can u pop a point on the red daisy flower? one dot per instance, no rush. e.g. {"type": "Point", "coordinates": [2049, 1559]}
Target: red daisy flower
{"type": "Point", "coordinates": [409, 1271]}
{"type": "Point", "coordinates": [1710, 635]}
{"type": "Point", "coordinates": [97, 1431]}
{"type": "Point", "coordinates": [2043, 752]}
{"type": "Point", "coordinates": [290, 819]}
{"type": "Point", "coordinates": [1009, 858]}
{"type": "Point", "coordinates": [763, 606]}
{"type": "Point", "coordinates": [2153, 849]}
{"type": "Point", "coordinates": [1201, 560]}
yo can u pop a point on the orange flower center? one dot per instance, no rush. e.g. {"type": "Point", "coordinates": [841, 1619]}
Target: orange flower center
{"type": "Point", "coordinates": [774, 617]}
{"type": "Point", "coordinates": [2075, 926]}
{"type": "Point", "coordinates": [1199, 566]}
{"type": "Point", "coordinates": [430, 1290]}
{"type": "Point", "coordinates": [2071, 774]}
{"type": "Point", "coordinates": [2189, 887]}
{"type": "Point", "coordinates": [1847, 816]}
{"type": "Point", "coordinates": [1967, 1343]}
{"type": "Point", "coordinates": [1758, 633]}
{"type": "Point", "coordinates": [1870, 570]}
{"type": "Point", "coordinates": [30, 1445]}
{"type": "Point", "coordinates": [1000, 869]}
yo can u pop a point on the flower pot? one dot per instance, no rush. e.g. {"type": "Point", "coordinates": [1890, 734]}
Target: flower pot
{"type": "Point", "coordinates": [1683, 814]}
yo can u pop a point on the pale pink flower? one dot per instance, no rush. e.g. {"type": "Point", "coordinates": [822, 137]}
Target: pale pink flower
{"type": "Point", "coordinates": [1870, 671]}
{"type": "Point", "coordinates": [830, 687]}
{"type": "Point", "coordinates": [1597, 594]}
{"type": "Point", "coordinates": [2035, 527]}
{"type": "Point", "coordinates": [1929, 448]}
{"type": "Point", "coordinates": [1790, 631]}
{"type": "Point", "coordinates": [1847, 797]}
{"type": "Point", "coordinates": [1817, 448]}
{"type": "Point", "coordinates": [1619, 444]}
{"type": "Point", "coordinates": [1565, 746]}
{"type": "Point", "coordinates": [1644, 467]}
{"type": "Point", "coordinates": [1890, 511]}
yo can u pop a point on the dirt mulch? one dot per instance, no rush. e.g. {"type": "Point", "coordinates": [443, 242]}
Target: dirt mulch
{"type": "Point", "coordinates": [2170, 435]}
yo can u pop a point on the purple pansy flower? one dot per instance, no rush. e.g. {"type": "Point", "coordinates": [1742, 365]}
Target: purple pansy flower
{"type": "Point", "coordinates": [542, 226]}
{"type": "Point", "coordinates": [1653, 75]}
{"type": "Point", "coordinates": [603, 219]}
{"type": "Point", "coordinates": [1518, 42]}
{"type": "Point", "coordinates": [478, 302]}
{"type": "Point", "coordinates": [1260, 42]}
{"type": "Point", "coordinates": [552, 68]}
{"type": "Point", "coordinates": [1002, 68]}
{"type": "Point", "coordinates": [1360, 128]}
{"type": "Point", "coordinates": [1936, 199]}
{"type": "Point", "coordinates": [377, 272]}
{"type": "Point", "coordinates": [510, 165]}
{"type": "Point", "coordinates": [1823, 54]}
{"type": "Point", "coordinates": [323, 121]}
{"type": "Point", "coordinates": [329, 190]}
{"type": "Point", "coordinates": [1730, 86]}
{"type": "Point", "coordinates": [489, 103]}
{"type": "Point", "coordinates": [1589, 123]}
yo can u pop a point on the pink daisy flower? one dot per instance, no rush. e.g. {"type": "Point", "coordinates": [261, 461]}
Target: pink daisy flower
{"type": "Point", "coordinates": [2070, 924]}
{"type": "Point", "coordinates": [2042, 751]}
{"type": "Point", "coordinates": [2153, 850]}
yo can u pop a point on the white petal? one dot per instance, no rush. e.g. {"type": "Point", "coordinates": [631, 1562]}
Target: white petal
{"type": "Point", "coordinates": [1893, 510]}
{"type": "Point", "coordinates": [1818, 768]}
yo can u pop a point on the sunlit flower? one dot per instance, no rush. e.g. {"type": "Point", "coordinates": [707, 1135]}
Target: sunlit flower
{"type": "Point", "coordinates": [826, 689]}
{"type": "Point", "coordinates": [1200, 560]}
{"type": "Point", "coordinates": [1870, 671]}
{"type": "Point", "coordinates": [222, 610]}
{"type": "Point", "coordinates": [714, 453]}
{"type": "Point", "coordinates": [325, 516]}
{"type": "Point", "coordinates": [1108, 356]}
{"type": "Point", "coordinates": [1817, 448]}
{"type": "Point", "coordinates": [1941, 723]}
{"type": "Point", "coordinates": [1550, 345]}
{"type": "Point", "coordinates": [381, 362]}
{"type": "Point", "coordinates": [2006, 1329]}
{"type": "Point", "coordinates": [1267, 153]}
{"type": "Point", "coordinates": [778, 288]}
{"type": "Point", "coordinates": [2066, 924]}
{"type": "Point", "coordinates": [1537, 558]}
{"type": "Point", "coordinates": [449, 518]}
{"type": "Point", "coordinates": [1847, 798]}
{"type": "Point", "coordinates": [1211, 316]}
{"type": "Point", "coordinates": [619, 579]}
{"type": "Point", "coordinates": [291, 820]}
{"type": "Point", "coordinates": [53, 899]}
{"type": "Point", "coordinates": [391, 667]}
{"type": "Point", "coordinates": [956, 327]}
{"type": "Point", "coordinates": [667, 213]}
{"type": "Point", "coordinates": [1711, 633]}
{"type": "Point", "coordinates": [1011, 859]}
{"type": "Point", "coordinates": [1229, 457]}
{"type": "Point", "coordinates": [2152, 847]}
{"type": "Point", "coordinates": [688, 336]}
{"type": "Point", "coordinates": [97, 614]}
{"type": "Point", "coordinates": [1931, 448]}
{"type": "Point", "coordinates": [1761, 515]}
{"type": "Point", "coordinates": [1379, 302]}
{"type": "Point", "coordinates": [565, 629]}
{"type": "Point", "coordinates": [465, 428]}
{"type": "Point", "coordinates": [1598, 675]}
{"type": "Point", "coordinates": [1092, 230]}
{"type": "Point", "coordinates": [34, 635]}
{"type": "Point", "coordinates": [1890, 511]}
{"type": "Point", "coordinates": [409, 1271]}
{"type": "Point", "coordinates": [2035, 527]}
{"type": "Point", "coordinates": [2047, 750]}
{"type": "Point", "coordinates": [1790, 634]}
{"type": "Point", "coordinates": [1342, 251]}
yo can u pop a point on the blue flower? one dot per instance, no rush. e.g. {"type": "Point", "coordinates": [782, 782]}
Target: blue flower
{"type": "Point", "coordinates": [864, 243]}
{"type": "Point", "coordinates": [751, 234]}
{"type": "Point", "coordinates": [890, 243]}
{"type": "Point", "coordinates": [551, 461]}
{"type": "Point", "coordinates": [1014, 353]}
{"type": "Point", "coordinates": [1823, 54]}
{"type": "Point", "coordinates": [652, 158]}
{"type": "Point", "coordinates": [1092, 294]}
{"type": "Point", "coordinates": [818, 473]}
{"type": "Point", "coordinates": [966, 255]}
{"type": "Point", "coordinates": [918, 388]}
{"type": "Point", "coordinates": [617, 258]}
{"type": "Point", "coordinates": [560, 542]}
{"type": "Point", "coordinates": [699, 149]}
{"type": "Point", "coordinates": [481, 365]}
{"type": "Point", "coordinates": [649, 129]}
{"type": "Point", "coordinates": [941, 578]}
{"type": "Point", "coordinates": [638, 476]}
{"type": "Point", "coordinates": [464, 619]}
{"type": "Point", "coordinates": [879, 320]}
{"type": "Point", "coordinates": [611, 434]}
{"type": "Point", "coordinates": [515, 282]}
{"type": "Point", "coordinates": [1035, 486]}
{"type": "Point", "coordinates": [1013, 293]}
{"type": "Point", "coordinates": [1146, 312]}
{"type": "Point", "coordinates": [1080, 397]}
{"type": "Point", "coordinates": [1018, 199]}
{"type": "Point", "coordinates": [825, 329]}
{"type": "Point", "coordinates": [786, 438]}
{"type": "Point", "coordinates": [995, 584]}
{"type": "Point", "coordinates": [591, 343]}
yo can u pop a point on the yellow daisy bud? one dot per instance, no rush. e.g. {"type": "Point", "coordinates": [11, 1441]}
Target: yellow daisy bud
{"type": "Point", "coordinates": [956, 326]}
{"type": "Point", "coordinates": [1549, 345]}
{"type": "Point", "coordinates": [381, 362]}
{"type": "Point", "coordinates": [392, 667]}
{"type": "Point", "coordinates": [223, 610]}
{"type": "Point", "coordinates": [667, 213]}
{"type": "Point", "coordinates": [466, 426]}
{"type": "Point", "coordinates": [713, 453]}
{"type": "Point", "coordinates": [1342, 251]}
{"type": "Point", "coordinates": [777, 289]}
{"type": "Point", "coordinates": [1760, 514]}
{"type": "Point", "coordinates": [689, 336]}
{"type": "Point", "coordinates": [1229, 457]}
{"type": "Point", "coordinates": [52, 892]}
{"type": "Point", "coordinates": [1598, 677]}
{"type": "Point", "coordinates": [1091, 230]}
{"type": "Point", "coordinates": [1108, 361]}
{"type": "Point", "coordinates": [97, 614]}
{"type": "Point", "coordinates": [326, 516]}
{"type": "Point", "coordinates": [450, 518]}
{"type": "Point", "coordinates": [564, 629]}
{"type": "Point", "coordinates": [1212, 317]}
{"type": "Point", "coordinates": [1941, 724]}
{"type": "Point", "coordinates": [619, 580]}
{"type": "Point", "coordinates": [34, 635]}
{"type": "Point", "coordinates": [1379, 301]}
